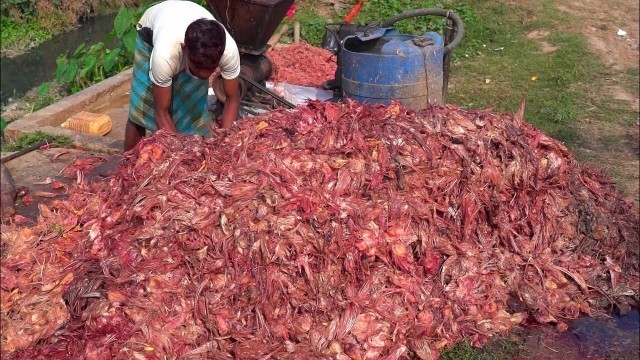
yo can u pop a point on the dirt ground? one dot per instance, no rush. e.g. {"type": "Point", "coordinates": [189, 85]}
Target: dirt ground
{"type": "Point", "coordinates": [612, 147]}
{"type": "Point", "coordinates": [600, 23]}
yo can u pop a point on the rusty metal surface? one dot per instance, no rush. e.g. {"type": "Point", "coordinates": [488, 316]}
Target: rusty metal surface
{"type": "Point", "coordinates": [250, 22]}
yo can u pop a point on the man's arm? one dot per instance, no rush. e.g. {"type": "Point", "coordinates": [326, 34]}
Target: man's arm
{"type": "Point", "coordinates": [232, 102]}
{"type": "Point", "coordinates": [161, 103]}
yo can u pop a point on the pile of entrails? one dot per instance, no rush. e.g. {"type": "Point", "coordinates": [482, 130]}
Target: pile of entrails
{"type": "Point", "coordinates": [335, 230]}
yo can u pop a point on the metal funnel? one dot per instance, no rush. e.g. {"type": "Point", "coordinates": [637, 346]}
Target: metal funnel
{"type": "Point", "coordinates": [250, 22]}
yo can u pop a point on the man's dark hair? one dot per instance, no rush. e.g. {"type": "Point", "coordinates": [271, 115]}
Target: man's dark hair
{"type": "Point", "coordinates": [205, 39]}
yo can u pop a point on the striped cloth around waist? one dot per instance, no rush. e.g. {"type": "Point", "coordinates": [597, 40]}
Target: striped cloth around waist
{"type": "Point", "coordinates": [188, 97]}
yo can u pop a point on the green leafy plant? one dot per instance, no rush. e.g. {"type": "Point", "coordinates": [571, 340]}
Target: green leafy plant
{"type": "Point", "coordinates": [378, 10]}
{"type": "Point", "coordinates": [312, 26]}
{"type": "Point", "coordinates": [88, 64]}
{"type": "Point", "coordinates": [91, 64]}
{"type": "Point", "coordinates": [3, 125]}
{"type": "Point", "coordinates": [29, 139]}
{"type": "Point", "coordinates": [57, 228]}
{"type": "Point", "coordinates": [45, 97]}
{"type": "Point", "coordinates": [22, 34]}
{"type": "Point", "coordinates": [202, 3]}
{"type": "Point", "coordinates": [18, 8]}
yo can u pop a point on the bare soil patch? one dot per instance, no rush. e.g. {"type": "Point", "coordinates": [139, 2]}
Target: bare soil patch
{"type": "Point", "coordinates": [614, 150]}
{"type": "Point", "coordinates": [610, 146]}
{"type": "Point", "coordinates": [544, 46]}
{"type": "Point", "coordinates": [325, 8]}
{"type": "Point", "coordinates": [538, 34]}
{"type": "Point", "coordinates": [620, 93]}
{"type": "Point", "coordinates": [547, 48]}
{"type": "Point", "coordinates": [600, 24]}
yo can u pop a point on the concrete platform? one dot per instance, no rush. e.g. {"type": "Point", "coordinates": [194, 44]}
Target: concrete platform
{"type": "Point", "coordinates": [31, 171]}
{"type": "Point", "coordinates": [110, 97]}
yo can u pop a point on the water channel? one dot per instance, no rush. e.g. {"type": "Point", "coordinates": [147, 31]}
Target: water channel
{"type": "Point", "coordinates": [27, 71]}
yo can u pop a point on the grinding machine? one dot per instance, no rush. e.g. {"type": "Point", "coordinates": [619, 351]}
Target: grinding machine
{"type": "Point", "coordinates": [251, 23]}
{"type": "Point", "coordinates": [376, 63]}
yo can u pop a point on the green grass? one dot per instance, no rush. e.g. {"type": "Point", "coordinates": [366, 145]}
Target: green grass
{"type": "Point", "coordinates": [378, 10]}
{"type": "Point", "coordinates": [20, 36]}
{"type": "Point", "coordinates": [498, 349]}
{"type": "Point", "coordinates": [554, 101]}
{"type": "Point", "coordinates": [494, 65]}
{"type": "Point", "coordinates": [616, 112]}
{"type": "Point", "coordinates": [312, 26]}
{"type": "Point", "coordinates": [26, 140]}
{"type": "Point", "coordinates": [3, 125]}
{"type": "Point", "coordinates": [630, 81]}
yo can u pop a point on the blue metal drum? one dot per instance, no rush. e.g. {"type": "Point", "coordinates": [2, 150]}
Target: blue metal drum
{"type": "Point", "coordinates": [383, 65]}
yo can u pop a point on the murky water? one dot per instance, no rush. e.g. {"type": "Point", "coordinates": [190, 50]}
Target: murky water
{"type": "Point", "coordinates": [587, 339]}
{"type": "Point", "coordinates": [22, 73]}
{"type": "Point", "coordinates": [614, 338]}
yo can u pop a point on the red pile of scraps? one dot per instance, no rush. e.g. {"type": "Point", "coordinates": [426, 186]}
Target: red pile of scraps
{"type": "Point", "coordinates": [334, 230]}
{"type": "Point", "coordinates": [302, 64]}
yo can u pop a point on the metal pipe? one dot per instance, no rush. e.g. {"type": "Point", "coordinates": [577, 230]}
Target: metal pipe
{"type": "Point", "coordinates": [448, 35]}
{"type": "Point", "coordinates": [431, 11]}
{"type": "Point", "coordinates": [248, 110]}
{"type": "Point", "coordinates": [274, 95]}
{"type": "Point", "coordinates": [254, 105]}
{"type": "Point", "coordinates": [23, 151]}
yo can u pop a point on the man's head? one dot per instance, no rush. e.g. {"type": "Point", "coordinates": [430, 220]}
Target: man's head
{"type": "Point", "coordinates": [204, 43]}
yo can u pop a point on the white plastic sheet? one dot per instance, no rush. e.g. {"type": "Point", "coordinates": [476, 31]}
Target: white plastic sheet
{"type": "Point", "coordinates": [293, 93]}
{"type": "Point", "coordinates": [299, 94]}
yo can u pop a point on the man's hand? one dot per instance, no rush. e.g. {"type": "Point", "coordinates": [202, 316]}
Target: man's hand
{"type": "Point", "coordinates": [232, 103]}
{"type": "Point", "coordinates": [161, 104]}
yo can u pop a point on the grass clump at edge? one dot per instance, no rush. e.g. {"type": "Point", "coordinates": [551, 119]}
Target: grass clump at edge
{"type": "Point", "coordinates": [30, 139]}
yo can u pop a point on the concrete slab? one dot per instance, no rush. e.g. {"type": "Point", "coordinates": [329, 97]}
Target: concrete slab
{"type": "Point", "coordinates": [32, 170]}
{"type": "Point", "coordinates": [118, 110]}
{"type": "Point", "coordinates": [110, 97]}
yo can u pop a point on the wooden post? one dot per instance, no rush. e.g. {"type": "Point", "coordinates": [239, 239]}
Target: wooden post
{"type": "Point", "coordinates": [275, 38]}
{"type": "Point", "coordinates": [296, 32]}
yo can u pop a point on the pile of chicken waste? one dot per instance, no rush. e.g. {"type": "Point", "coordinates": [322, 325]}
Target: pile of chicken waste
{"type": "Point", "coordinates": [302, 64]}
{"type": "Point", "coordinates": [334, 230]}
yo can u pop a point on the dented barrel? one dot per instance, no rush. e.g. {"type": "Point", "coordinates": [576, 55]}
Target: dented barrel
{"type": "Point", "coordinates": [383, 65]}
